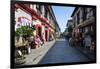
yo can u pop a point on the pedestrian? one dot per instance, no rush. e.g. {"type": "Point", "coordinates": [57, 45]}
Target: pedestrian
{"type": "Point", "coordinates": [71, 41]}
{"type": "Point", "coordinates": [87, 42]}
{"type": "Point", "coordinates": [38, 41]}
{"type": "Point", "coordinates": [42, 38]}
{"type": "Point", "coordinates": [80, 40]}
{"type": "Point", "coordinates": [92, 48]}
{"type": "Point", "coordinates": [83, 36]}
{"type": "Point", "coordinates": [76, 41]}
{"type": "Point", "coordinates": [32, 41]}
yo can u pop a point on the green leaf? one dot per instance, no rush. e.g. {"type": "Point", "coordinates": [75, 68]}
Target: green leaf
{"type": "Point", "coordinates": [24, 30]}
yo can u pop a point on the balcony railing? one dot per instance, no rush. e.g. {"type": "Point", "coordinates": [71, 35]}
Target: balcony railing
{"type": "Point", "coordinates": [32, 11]}
{"type": "Point", "coordinates": [87, 22]}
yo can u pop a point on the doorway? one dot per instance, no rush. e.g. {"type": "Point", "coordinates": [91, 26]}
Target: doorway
{"type": "Point", "coordinates": [39, 31]}
{"type": "Point", "coordinates": [46, 35]}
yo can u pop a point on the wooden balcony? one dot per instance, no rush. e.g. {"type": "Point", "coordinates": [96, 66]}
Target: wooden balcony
{"type": "Point", "coordinates": [86, 22]}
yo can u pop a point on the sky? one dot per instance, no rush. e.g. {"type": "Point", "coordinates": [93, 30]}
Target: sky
{"type": "Point", "coordinates": [62, 14]}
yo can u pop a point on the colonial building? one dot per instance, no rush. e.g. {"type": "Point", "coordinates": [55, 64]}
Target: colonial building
{"type": "Point", "coordinates": [84, 21]}
{"type": "Point", "coordinates": [40, 16]}
{"type": "Point", "coordinates": [69, 23]}
{"type": "Point", "coordinates": [69, 27]}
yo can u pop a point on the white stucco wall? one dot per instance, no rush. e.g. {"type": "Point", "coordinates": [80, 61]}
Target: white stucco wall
{"type": "Point", "coordinates": [36, 22]}
{"type": "Point", "coordinates": [21, 13]}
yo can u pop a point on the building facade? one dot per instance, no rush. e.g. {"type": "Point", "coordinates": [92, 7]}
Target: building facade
{"type": "Point", "coordinates": [40, 16]}
{"type": "Point", "coordinates": [69, 28]}
{"type": "Point", "coordinates": [69, 23]}
{"type": "Point", "coordinates": [84, 21]}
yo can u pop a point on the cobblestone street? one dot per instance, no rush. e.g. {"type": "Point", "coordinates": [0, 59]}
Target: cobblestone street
{"type": "Point", "coordinates": [61, 52]}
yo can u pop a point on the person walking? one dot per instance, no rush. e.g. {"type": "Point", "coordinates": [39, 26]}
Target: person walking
{"type": "Point", "coordinates": [87, 42]}
{"type": "Point", "coordinates": [81, 40]}
{"type": "Point", "coordinates": [42, 38]}
{"type": "Point", "coordinates": [71, 41]}
{"type": "Point", "coordinates": [38, 41]}
{"type": "Point", "coordinates": [32, 41]}
{"type": "Point", "coordinates": [76, 41]}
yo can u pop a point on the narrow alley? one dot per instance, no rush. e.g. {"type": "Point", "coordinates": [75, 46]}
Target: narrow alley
{"type": "Point", "coordinates": [52, 34]}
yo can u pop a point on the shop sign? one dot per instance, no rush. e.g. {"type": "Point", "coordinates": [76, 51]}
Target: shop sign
{"type": "Point", "coordinates": [24, 21]}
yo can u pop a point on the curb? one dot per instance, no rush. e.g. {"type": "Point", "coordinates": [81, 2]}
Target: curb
{"type": "Point", "coordinates": [42, 52]}
{"type": "Point", "coordinates": [85, 54]}
{"type": "Point", "coordinates": [47, 51]}
{"type": "Point", "coordinates": [40, 56]}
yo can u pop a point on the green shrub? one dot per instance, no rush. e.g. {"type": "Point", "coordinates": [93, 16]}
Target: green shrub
{"type": "Point", "coordinates": [24, 30]}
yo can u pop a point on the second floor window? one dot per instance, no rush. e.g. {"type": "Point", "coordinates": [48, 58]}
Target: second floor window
{"type": "Point", "coordinates": [78, 17]}
{"type": "Point", "coordinates": [28, 5]}
{"type": "Point", "coordinates": [39, 8]}
{"type": "Point", "coordinates": [92, 12]}
{"type": "Point", "coordinates": [45, 13]}
{"type": "Point", "coordinates": [84, 14]}
{"type": "Point", "coordinates": [81, 15]}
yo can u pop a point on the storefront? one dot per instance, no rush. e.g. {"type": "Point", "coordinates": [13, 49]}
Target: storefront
{"type": "Point", "coordinates": [22, 17]}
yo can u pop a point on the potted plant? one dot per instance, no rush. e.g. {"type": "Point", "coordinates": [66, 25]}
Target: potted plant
{"type": "Point", "coordinates": [23, 33]}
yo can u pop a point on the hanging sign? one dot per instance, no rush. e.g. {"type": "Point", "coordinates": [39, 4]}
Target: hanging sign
{"type": "Point", "coordinates": [24, 21]}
